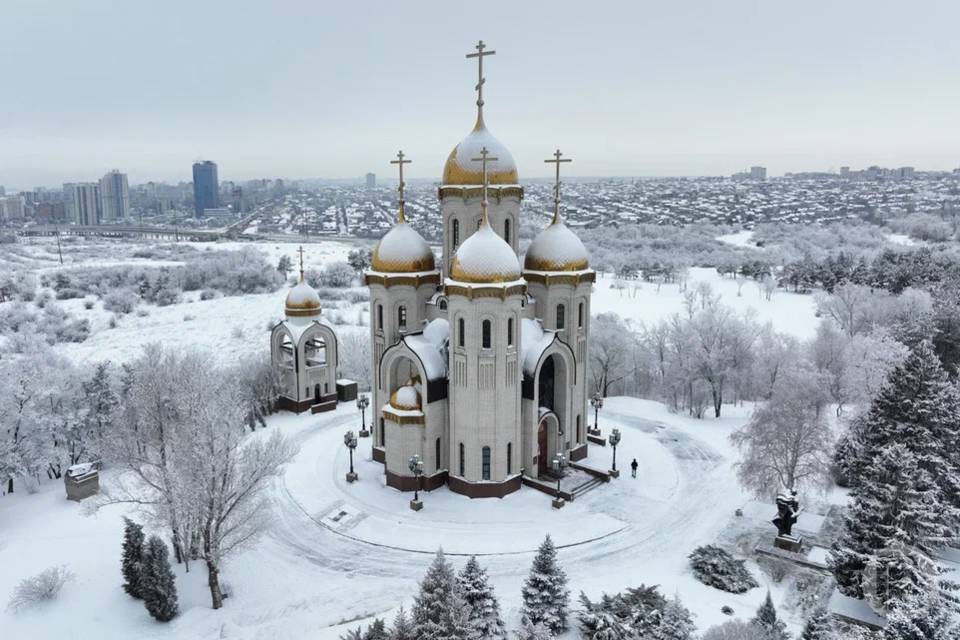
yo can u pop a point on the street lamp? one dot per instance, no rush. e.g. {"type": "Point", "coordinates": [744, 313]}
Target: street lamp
{"type": "Point", "coordinates": [614, 441]}
{"type": "Point", "coordinates": [363, 401]}
{"type": "Point", "coordinates": [416, 468]}
{"type": "Point", "coordinates": [559, 462]}
{"type": "Point", "coordinates": [350, 441]}
{"type": "Point", "coordinates": [597, 403]}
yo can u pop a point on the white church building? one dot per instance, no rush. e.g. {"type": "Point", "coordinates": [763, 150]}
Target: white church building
{"type": "Point", "coordinates": [480, 361]}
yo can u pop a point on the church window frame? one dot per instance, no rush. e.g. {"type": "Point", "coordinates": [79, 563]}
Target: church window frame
{"type": "Point", "coordinates": [485, 463]}
{"type": "Point", "coordinates": [561, 316]}
{"type": "Point", "coordinates": [461, 332]}
{"type": "Point", "coordinates": [463, 461]}
{"type": "Point", "coordinates": [506, 230]}
{"type": "Point", "coordinates": [510, 332]}
{"type": "Point", "coordinates": [402, 316]}
{"type": "Point", "coordinates": [580, 315]}
{"type": "Point", "coordinates": [379, 317]}
{"type": "Point", "coordinates": [486, 333]}
{"type": "Point", "coordinates": [455, 239]}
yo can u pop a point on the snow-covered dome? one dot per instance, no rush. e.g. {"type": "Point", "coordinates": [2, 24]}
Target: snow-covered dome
{"type": "Point", "coordinates": [461, 169]}
{"type": "Point", "coordinates": [402, 250]}
{"type": "Point", "coordinates": [302, 301]}
{"type": "Point", "coordinates": [485, 257]}
{"type": "Point", "coordinates": [406, 398]}
{"type": "Point", "coordinates": [556, 248]}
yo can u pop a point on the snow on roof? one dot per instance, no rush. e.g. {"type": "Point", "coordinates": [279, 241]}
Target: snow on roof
{"type": "Point", "coordinates": [403, 250]}
{"type": "Point", "coordinates": [534, 341]}
{"type": "Point", "coordinates": [303, 298]}
{"type": "Point", "coordinates": [556, 248]}
{"type": "Point", "coordinates": [434, 364]}
{"type": "Point", "coordinates": [462, 169]}
{"type": "Point", "coordinates": [82, 469]}
{"type": "Point", "coordinates": [437, 331]}
{"type": "Point", "coordinates": [485, 257]}
{"type": "Point", "coordinates": [405, 398]}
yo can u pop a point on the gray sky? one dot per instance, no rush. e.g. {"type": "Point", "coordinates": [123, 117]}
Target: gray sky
{"type": "Point", "coordinates": [299, 88]}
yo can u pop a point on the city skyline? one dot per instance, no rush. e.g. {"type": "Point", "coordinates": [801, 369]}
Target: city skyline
{"type": "Point", "coordinates": [634, 90]}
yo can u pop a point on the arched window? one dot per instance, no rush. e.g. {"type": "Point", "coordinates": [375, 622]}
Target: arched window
{"type": "Point", "coordinates": [443, 305]}
{"type": "Point", "coordinates": [509, 332]}
{"type": "Point", "coordinates": [462, 461]}
{"type": "Point", "coordinates": [456, 234]}
{"type": "Point", "coordinates": [509, 458]}
{"type": "Point", "coordinates": [402, 317]}
{"type": "Point", "coordinates": [579, 435]}
{"type": "Point", "coordinates": [561, 316]}
{"type": "Point", "coordinates": [580, 315]}
{"type": "Point", "coordinates": [506, 230]}
{"type": "Point", "coordinates": [486, 463]}
{"type": "Point", "coordinates": [486, 334]}
{"type": "Point", "coordinates": [380, 317]}
{"type": "Point", "coordinates": [461, 332]}
{"type": "Point", "coordinates": [437, 454]}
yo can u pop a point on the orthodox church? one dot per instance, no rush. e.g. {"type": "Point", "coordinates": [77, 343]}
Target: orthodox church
{"type": "Point", "coordinates": [480, 361]}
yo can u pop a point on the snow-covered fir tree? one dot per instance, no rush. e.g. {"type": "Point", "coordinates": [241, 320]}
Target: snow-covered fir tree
{"type": "Point", "coordinates": [545, 595]}
{"type": "Point", "coordinates": [891, 529]}
{"type": "Point", "coordinates": [100, 406]}
{"type": "Point", "coordinates": [676, 622]}
{"type": "Point", "coordinates": [431, 606]}
{"type": "Point", "coordinates": [533, 631]}
{"type": "Point", "coordinates": [402, 627]}
{"type": "Point", "coordinates": [459, 626]}
{"type": "Point", "coordinates": [920, 618]}
{"type": "Point", "coordinates": [767, 620]}
{"type": "Point", "coordinates": [157, 586]}
{"type": "Point", "coordinates": [819, 626]}
{"type": "Point", "coordinates": [474, 586]}
{"type": "Point", "coordinates": [132, 564]}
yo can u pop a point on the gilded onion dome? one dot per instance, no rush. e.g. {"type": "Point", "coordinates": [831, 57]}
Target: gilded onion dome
{"type": "Point", "coordinates": [302, 301]}
{"type": "Point", "coordinates": [556, 248]}
{"type": "Point", "coordinates": [406, 398]}
{"type": "Point", "coordinates": [402, 250]}
{"type": "Point", "coordinates": [485, 257]}
{"type": "Point", "coordinates": [460, 168]}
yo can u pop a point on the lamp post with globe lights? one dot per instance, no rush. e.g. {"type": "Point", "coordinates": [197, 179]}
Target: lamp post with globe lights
{"type": "Point", "coordinates": [597, 403]}
{"type": "Point", "coordinates": [559, 463]}
{"type": "Point", "coordinates": [614, 441]}
{"type": "Point", "coordinates": [416, 468]}
{"type": "Point", "coordinates": [350, 441]}
{"type": "Point", "coordinates": [363, 401]}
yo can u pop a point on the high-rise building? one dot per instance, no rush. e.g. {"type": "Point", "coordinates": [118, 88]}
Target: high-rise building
{"type": "Point", "coordinates": [206, 187]}
{"type": "Point", "coordinates": [11, 208]}
{"type": "Point", "coordinates": [371, 180]}
{"type": "Point", "coordinates": [758, 173]}
{"type": "Point", "coordinates": [83, 202]}
{"type": "Point", "coordinates": [845, 172]}
{"type": "Point", "coordinates": [116, 196]}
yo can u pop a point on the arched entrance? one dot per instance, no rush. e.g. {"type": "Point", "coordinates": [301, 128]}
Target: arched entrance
{"type": "Point", "coordinates": [547, 441]}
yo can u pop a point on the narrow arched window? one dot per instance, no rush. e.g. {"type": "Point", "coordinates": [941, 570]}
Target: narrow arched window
{"type": "Point", "coordinates": [509, 458]}
{"type": "Point", "coordinates": [437, 454]}
{"type": "Point", "coordinates": [561, 316]}
{"type": "Point", "coordinates": [580, 315]}
{"type": "Point", "coordinates": [509, 332]}
{"type": "Point", "coordinates": [402, 317]}
{"type": "Point", "coordinates": [456, 235]}
{"type": "Point", "coordinates": [380, 317]}
{"type": "Point", "coordinates": [486, 334]}
{"type": "Point", "coordinates": [579, 435]}
{"type": "Point", "coordinates": [506, 230]}
{"type": "Point", "coordinates": [462, 460]}
{"type": "Point", "coordinates": [461, 332]}
{"type": "Point", "coordinates": [485, 459]}
{"type": "Point", "coordinates": [443, 305]}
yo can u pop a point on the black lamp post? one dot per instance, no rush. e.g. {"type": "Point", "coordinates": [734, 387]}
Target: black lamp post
{"type": "Point", "coordinates": [559, 462]}
{"type": "Point", "coordinates": [597, 403]}
{"type": "Point", "coordinates": [350, 441]}
{"type": "Point", "coordinates": [416, 468]}
{"type": "Point", "coordinates": [614, 441]}
{"type": "Point", "coordinates": [363, 401]}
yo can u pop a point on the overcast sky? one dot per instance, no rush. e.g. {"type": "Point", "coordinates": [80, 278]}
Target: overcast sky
{"type": "Point", "coordinates": [306, 88]}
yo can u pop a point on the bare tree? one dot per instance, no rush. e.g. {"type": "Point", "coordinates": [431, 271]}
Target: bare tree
{"type": "Point", "coordinates": [611, 347]}
{"type": "Point", "coordinates": [849, 306]}
{"type": "Point", "coordinates": [355, 359]}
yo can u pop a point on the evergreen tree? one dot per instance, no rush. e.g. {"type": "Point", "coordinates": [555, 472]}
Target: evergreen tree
{"type": "Point", "coordinates": [459, 626]}
{"type": "Point", "coordinates": [431, 607]}
{"type": "Point", "coordinates": [676, 622]}
{"type": "Point", "coordinates": [132, 564]}
{"type": "Point", "coordinates": [766, 619]}
{"type": "Point", "coordinates": [355, 634]}
{"type": "Point", "coordinates": [891, 529]}
{"type": "Point", "coordinates": [545, 594]}
{"type": "Point", "coordinates": [920, 618]}
{"type": "Point", "coordinates": [100, 408]}
{"type": "Point", "coordinates": [402, 628]}
{"type": "Point", "coordinates": [476, 590]}
{"type": "Point", "coordinates": [819, 626]}
{"type": "Point", "coordinates": [532, 631]}
{"type": "Point", "coordinates": [376, 631]}
{"type": "Point", "coordinates": [157, 586]}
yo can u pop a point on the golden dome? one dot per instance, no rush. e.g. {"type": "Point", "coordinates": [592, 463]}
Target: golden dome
{"type": "Point", "coordinates": [302, 301]}
{"type": "Point", "coordinates": [461, 169]}
{"type": "Point", "coordinates": [402, 250]}
{"type": "Point", "coordinates": [406, 398]}
{"type": "Point", "coordinates": [556, 248]}
{"type": "Point", "coordinates": [485, 257]}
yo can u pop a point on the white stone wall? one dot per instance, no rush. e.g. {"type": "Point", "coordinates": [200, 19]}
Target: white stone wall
{"type": "Point", "coordinates": [467, 212]}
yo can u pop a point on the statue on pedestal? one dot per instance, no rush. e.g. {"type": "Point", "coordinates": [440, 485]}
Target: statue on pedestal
{"type": "Point", "coordinates": [788, 510]}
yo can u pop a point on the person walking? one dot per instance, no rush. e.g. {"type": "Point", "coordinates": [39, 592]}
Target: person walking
{"type": "Point", "coordinates": [633, 468]}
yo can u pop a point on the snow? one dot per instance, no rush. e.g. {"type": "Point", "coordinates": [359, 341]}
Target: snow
{"type": "Point", "coordinates": [406, 397]}
{"type": "Point", "coordinates": [534, 340]}
{"type": "Point", "coordinates": [738, 239]}
{"type": "Point", "coordinates": [470, 147]}
{"type": "Point", "coordinates": [301, 295]}
{"type": "Point", "coordinates": [485, 257]}
{"type": "Point", "coordinates": [400, 246]}
{"type": "Point", "coordinates": [901, 239]}
{"type": "Point", "coordinates": [556, 247]}
{"type": "Point", "coordinates": [434, 364]}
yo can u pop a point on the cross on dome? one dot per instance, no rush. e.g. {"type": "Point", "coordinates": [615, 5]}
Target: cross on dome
{"type": "Point", "coordinates": [556, 187]}
{"type": "Point", "coordinates": [480, 79]}
{"type": "Point", "coordinates": [300, 251]}
{"type": "Point", "coordinates": [401, 217]}
{"type": "Point", "coordinates": [484, 159]}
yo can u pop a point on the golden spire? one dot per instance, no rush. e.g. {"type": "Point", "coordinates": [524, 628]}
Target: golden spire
{"type": "Point", "coordinates": [556, 187]}
{"type": "Point", "coordinates": [480, 79]}
{"type": "Point", "coordinates": [484, 159]}
{"type": "Point", "coordinates": [300, 251]}
{"type": "Point", "coordinates": [401, 217]}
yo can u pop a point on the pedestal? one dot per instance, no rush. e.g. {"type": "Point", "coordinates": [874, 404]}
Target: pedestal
{"type": "Point", "coordinates": [364, 433]}
{"type": "Point", "coordinates": [614, 473]}
{"type": "Point", "coordinates": [351, 477]}
{"type": "Point", "coordinates": [416, 505]}
{"type": "Point", "coordinates": [793, 544]}
{"type": "Point", "coordinates": [558, 503]}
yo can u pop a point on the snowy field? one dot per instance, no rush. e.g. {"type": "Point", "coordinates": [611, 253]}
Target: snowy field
{"type": "Point", "coordinates": [336, 553]}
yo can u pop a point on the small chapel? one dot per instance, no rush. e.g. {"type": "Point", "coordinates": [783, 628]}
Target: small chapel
{"type": "Point", "coordinates": [479, 360]}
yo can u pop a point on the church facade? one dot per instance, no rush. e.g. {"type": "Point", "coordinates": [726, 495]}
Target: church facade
{"type": "Point", "coordinates": [479, 360]}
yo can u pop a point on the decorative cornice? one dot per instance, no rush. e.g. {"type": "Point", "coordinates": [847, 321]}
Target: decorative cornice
{"type": "Point", "coordinates": [476, 191]}
{"type": "Point", "coordinates": [492, 291]}
{"type": "Point", "coordinates": [547, 278]}
{"type": "Point", "coordinates": [401, 279]}
{"type": "Point", "coordinates": [403, 418]}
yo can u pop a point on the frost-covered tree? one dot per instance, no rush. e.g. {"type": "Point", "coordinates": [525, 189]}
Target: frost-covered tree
{"type": "Point", "coordinates": [484, 609]}
{"type": "Point", "coordinates": [259, 389]}
{"type": "Point", "coordinates": [767, 620]}
{"type": "Point", "coordinates": [402, 627]}
{"type": "Point", "coordinates": [819, 626]}
{"type": "Point", "coordinates": [533, 631]}
{"type": "Point", "coordinates": [100, 407]}
{"type": "Point", "coordinates": [355, 359]}
{"type": "Point", "coordinates": [920, 618]}
{"type": "Point", "coordinates": [431, 606]}
{"type": "Point", "coordinates": [611, 346]}
{"type": "Point", "coordinates": [157, 586]}
{"type": "Point", "coordinates": [715, 567]}
{"type": "Point", "coordinates": [359, 259]}
{"type": "Point", "coordinates": [676, 622]}
{"type": "Point", "coordinates": [735, 630]}
{"type": "Point", "coordinates": [545, 595]}
{"type": "Point", "coordinates": [132, 562]}
{"type": "Point", "coordinates": [285, 265]}
{"type": "Point", "coordinates": [849, 307]}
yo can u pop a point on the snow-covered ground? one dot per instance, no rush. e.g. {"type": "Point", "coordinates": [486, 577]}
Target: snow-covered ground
{"type": "Point", "coordinates": [739, 239]}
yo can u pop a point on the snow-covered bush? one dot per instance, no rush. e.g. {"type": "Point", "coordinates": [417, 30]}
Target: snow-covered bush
{"type": "Point", "coordinates": [121, 301]}
{"type": "Point", "coordinates": [43, 587]}
{"type": "Point", "coordinates": [735, 630]}
{"type": "Point", "coordinates": [338, 275]}
{"type": "Point", "coordinates": [715, 567]}
{"type": "Point", "coordinates": [208, 294]}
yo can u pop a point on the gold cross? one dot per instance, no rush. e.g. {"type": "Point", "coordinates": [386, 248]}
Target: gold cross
{"type": "Point", "coordinates": [480, 79]}
{"type": "Point", "coordinates": [400, 162]}
{"type": "Point", "coordinates": [556, 187]}
{"type": "Point", "coordinates": [484, 159]}
{"type": "Point", "coordinates": [300, 251]}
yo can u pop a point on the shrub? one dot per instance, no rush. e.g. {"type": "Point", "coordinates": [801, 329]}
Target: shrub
{"type": "Point", "coordinates": [208, 294]}
{"type": "Point", "coordinates": [88, 303]}
{"type": "Point", "coordinates": [43, 587]}
{"type": "Point", "coordinates": [715, 567]}
{"type": "Point", "coordinates": [121, 301]}
{"type": "Point", "coordinates": [338, 275]}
